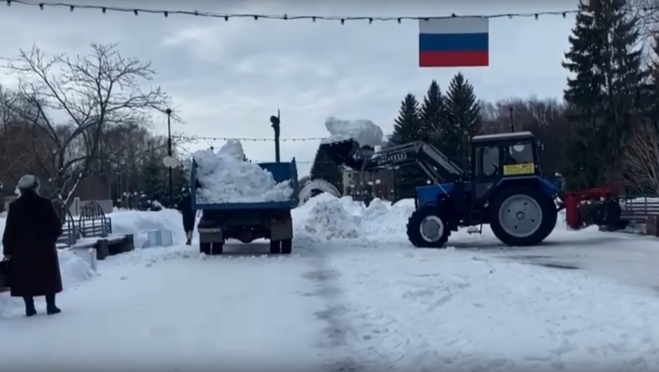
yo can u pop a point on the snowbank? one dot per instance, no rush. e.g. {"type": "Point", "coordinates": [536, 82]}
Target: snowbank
{"type": "Point", "coordinates": [326, 217]}
{"type": "Point", "coordinates": [140, 223]}
{"type": "Point", "coordinates": [363, 131]}
{"type": "Point", "coordinates": [226, 178]}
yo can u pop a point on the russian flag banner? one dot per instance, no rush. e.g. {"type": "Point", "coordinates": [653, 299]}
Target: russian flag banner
{"type": "Point", "coordinates": [454, 42]}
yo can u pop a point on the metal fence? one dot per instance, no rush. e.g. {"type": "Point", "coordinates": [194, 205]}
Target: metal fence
{"type": "Point", "coordinates": [638, 208]}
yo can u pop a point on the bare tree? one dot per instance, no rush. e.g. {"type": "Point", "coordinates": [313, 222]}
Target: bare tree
{"type": "Point", "coordinates": [74, 100]}
{"type": "Point", "coordinates": [640, 163]}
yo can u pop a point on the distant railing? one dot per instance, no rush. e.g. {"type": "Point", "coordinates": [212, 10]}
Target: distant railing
{"type": "Point", "coordinates": [70, 231]}
{"type": "Point", "coordinates": [637, 209]}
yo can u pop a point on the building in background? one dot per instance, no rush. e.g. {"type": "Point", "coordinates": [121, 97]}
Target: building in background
{"type": "Point", "coordinates": [359, 184]}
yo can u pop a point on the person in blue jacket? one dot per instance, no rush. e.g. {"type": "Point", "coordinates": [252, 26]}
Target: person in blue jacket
{"type": "Point", "coordinates": [188, 214]}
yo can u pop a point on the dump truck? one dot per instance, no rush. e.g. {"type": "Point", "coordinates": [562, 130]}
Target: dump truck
{"type": "Point", "coordinates": [247, 222]}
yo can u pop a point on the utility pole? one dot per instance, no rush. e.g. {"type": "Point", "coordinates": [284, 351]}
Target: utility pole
{"type": "Point", "coordinates": [169, 153]}
{"type": "Point", "coordinates": [512, 119]}
{"type": "Point", "coordinates": [276, 121]}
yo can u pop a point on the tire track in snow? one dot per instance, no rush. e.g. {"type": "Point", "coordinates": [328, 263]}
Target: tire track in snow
{"type": "Point", "coordinates": [338, 327]}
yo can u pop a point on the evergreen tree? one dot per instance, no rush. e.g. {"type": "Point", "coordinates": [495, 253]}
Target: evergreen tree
{"type": "Point", "coordinates": [463, 119]}
{"type": "Point", "coordinates": [155, 182]}
{"type": "Point", "coordinates": [407, 128]}
{"type": "Point", "coordinates": [432, 115]}
{"type": "Point", "coordinates": [181, 179]}
{"type": "Point", "coordinates": [324, 168]}
{"type": "Point", "coordinates": [604, 90]}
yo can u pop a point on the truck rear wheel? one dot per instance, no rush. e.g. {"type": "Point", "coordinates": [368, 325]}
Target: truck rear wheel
{"type": "Point", "coordinates": [205, 248]}
{"type": "Point", "coordinates": [275, 246]}
{"type": "Point", "coordinates": [217, 248]}
{"type": "Point", "coordinates": [287, 246]}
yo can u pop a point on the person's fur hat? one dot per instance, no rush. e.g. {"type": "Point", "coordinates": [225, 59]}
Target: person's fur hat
{"type": "Point", "coordinates": [28, 183]}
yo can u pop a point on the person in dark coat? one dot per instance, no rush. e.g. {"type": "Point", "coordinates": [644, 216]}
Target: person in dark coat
{"type": "Point", "coordinates": [185, 207]}
{"type": "Point", "coordinates": [29, 243]}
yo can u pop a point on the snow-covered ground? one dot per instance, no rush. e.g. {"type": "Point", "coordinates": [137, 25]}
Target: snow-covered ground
{"type": "Point", "coordinates": [354, 296]}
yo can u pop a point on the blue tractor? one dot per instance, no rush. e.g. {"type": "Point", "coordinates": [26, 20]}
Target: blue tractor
{"type": "Point", "coordinates": [504, 187]}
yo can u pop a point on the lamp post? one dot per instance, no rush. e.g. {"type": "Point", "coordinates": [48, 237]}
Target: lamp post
{"type": "Point", "coordinates": [276, 121]}
{"type": "Point", "coordinates": [170, 161]}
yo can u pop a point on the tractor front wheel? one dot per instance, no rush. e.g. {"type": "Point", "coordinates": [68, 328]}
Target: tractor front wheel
{"type": "Point", "coordinates": [426, 228]}
{"type": "Point", "coordinates": [522, 216]}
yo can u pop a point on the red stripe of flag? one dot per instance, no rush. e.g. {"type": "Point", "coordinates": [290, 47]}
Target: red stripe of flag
{"type": "Point", "coordinates": [454, 59]}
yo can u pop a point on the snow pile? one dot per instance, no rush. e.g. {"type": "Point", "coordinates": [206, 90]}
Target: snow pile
{"type": "Point", "coordinates": [325, 218]}
{"type": "Point", "coordinates": [73, 268]}
{"type": "Point", "coordinates": [365, 132]}
{"type": "Point", "coordinates": [225, 178]}
{"type": "Point", "coordinates": [140, 223]}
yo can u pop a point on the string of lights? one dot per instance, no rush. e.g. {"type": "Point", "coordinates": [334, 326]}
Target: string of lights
{"type": "Point", "coordinates": [181, 137]}
{"type": "Point", "coordinates": [285, 17]}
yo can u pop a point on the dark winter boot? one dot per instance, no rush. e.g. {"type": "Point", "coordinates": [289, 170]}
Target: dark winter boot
{"type": "Point", "coordinates": [30, 310]}
{"type": "Point", "coordinates": [51, 308]}
{"type": "Point", "coordinates": [189, 236]}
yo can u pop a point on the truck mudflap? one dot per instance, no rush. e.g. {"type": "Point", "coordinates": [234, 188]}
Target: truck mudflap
{"type": "Point", "coordinates": [281, 229]}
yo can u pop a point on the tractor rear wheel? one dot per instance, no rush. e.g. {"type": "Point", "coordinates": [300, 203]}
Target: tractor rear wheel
{"type": "Point", "coordinates": [522, 216]}
{"type": "Point", "coordinates": [426, 228]}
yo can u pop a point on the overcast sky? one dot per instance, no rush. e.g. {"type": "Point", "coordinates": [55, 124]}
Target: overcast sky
{"type": "Point", "coordinates": [227, 78]}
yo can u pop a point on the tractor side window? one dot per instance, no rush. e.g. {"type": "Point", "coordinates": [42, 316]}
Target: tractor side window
{"type": "Point", "coordinates": [519, 153]}
{"type": "Point", "coordinates": [487, 161]}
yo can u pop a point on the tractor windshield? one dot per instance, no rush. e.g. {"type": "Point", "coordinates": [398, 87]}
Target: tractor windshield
{"type": "Point", "coordinates": [519, 153]}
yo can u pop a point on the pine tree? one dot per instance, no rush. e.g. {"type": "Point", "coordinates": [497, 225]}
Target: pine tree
{"type": "Point", "coordinates": [155, 179]}
{"type": "Point", "coordinates": [584, 96]}
{"type": "Point", "coordinates": [181, 179]}
{"type": "Point", "coordinates": [605, 63]}
{"type": "Point", "coordinates": [407, 126]}
{"type": "Point", "coordinates": [324, 168]}
{"type": "Point", "coordinates": [463, 118]}
{"type": "Point", "coordinates": [432, 114]}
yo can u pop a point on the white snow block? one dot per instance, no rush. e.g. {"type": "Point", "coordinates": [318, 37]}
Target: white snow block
{"type": "Point", "coordinates": [87, 254]}
{"type": "Point", "coordinates": [159, 238]}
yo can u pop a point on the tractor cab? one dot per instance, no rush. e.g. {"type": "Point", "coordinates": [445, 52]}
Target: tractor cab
{"type": "Point", "coordinates": [495, 156]}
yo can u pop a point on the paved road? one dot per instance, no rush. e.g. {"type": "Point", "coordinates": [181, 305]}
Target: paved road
{"type": "Point", "coordinates": [627, 258]}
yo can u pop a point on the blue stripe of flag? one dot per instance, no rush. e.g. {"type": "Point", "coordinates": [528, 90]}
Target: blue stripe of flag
{"type": "Point", "coordinates": [453, 42]}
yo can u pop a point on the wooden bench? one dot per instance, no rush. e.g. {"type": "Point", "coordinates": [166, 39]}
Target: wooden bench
{"type": "Point", "coordinates": [108, 245]}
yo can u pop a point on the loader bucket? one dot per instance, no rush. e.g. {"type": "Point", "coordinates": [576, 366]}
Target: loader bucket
{"type": "Point", "coordinates": [341, 151]}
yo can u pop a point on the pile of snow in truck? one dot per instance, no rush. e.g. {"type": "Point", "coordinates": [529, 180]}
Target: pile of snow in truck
{"type": "Point", "coordinates": [224, 177]}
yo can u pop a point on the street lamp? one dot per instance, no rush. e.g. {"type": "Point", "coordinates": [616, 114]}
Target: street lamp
{"type": "Point", "coordinates": [169, 161]}
{"type": "Point", "coordinates": [276, 121]}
